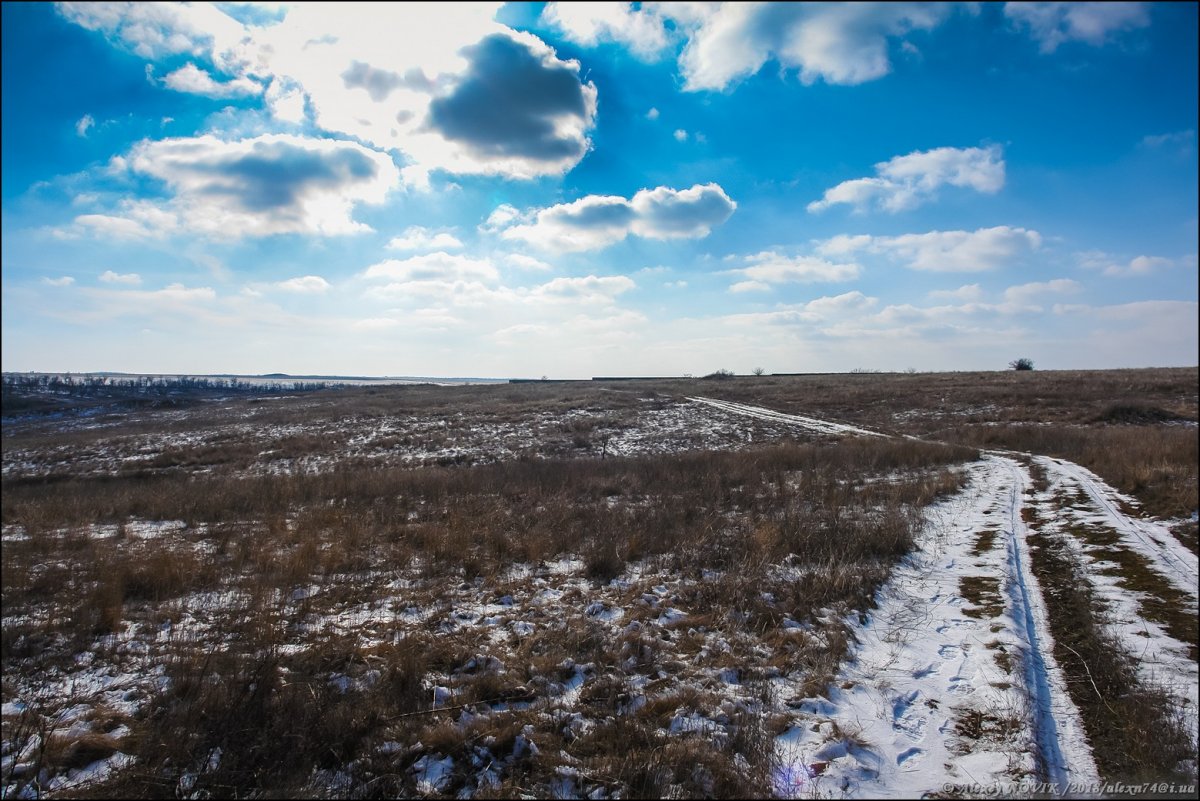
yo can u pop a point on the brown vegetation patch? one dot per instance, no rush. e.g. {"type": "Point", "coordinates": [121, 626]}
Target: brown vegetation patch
{"type": "Point", "coordinates": [1158, 600]}
{"type": "Point", "coordinates": [983, 593]}
{"type": "Point", "coordinates": [1136, 731]}
{"type": "Point", "coordinates": [984, 541]}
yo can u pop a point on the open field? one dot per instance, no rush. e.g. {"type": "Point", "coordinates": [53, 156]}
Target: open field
{"type": "Point", "coordinates": [852, 585]}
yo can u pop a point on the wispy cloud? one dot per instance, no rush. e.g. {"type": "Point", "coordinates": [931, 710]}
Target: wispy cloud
{"type": "Point", "coordinates": [110, 277]}
{"type": "Point", "coordinates": [1054, 24]}
{"type": "Point", "coordinates": [193, 80]}
{"type": "Point", "coordinates": [1138, 266]}
{"type": "Point", "coordinates": [771, 267]}
{"type": "Point", "coordinates": [307, 285]}
{"type": "Point", "coordinates": [416, 237]}
{"type": "Point", "coordinates": [905, 182]}
{"type": "Point", "coordinates": [943, 251]}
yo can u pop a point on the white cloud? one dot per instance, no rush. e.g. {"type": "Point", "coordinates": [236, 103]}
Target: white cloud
{"type": "Point", "coordinates": [589, 289]}
{"type": "Point", "coordinates": [110, 277]}
{"type": "Point", "coordinates": [1153, 310]}
{"type": "Point", "coordinates": [825, 310]}
{"type": "Point", "coordinates": [592, 222]}
{"type": "Point", "coordinates": [86, 122]}
{"type": "Point", "coordinates": [1032, 293]}
{"type": "Point", "coordinates": [155, 30]}
{"type": "Point", "coordinates": [190, 78]}
{"type": "Point", "coordinates": [137, 220]}
{"type": "Point", "coordinates": [434, 267]}
{"type": "Point", "coordinates": [453, 90]}
{"type": "Point", "coordinates": [456, 281]}
{"type": "Point", "coordinates": [771, 267]}
{"type": "Point", "coordinates": [523, 262]}
{"type": "Point", "coordinates": [652, 114]}
{"type": "Point", "coordinates": [286, 102]}
{"type": "Point", "coordinates": [518, 111]}
{"type": "Point", "coordinates": [680, 135]}
{"type": "Point", "coordinates": [961, 251]}
{"type": "Point", "coordinates": [270, 184]}
{"type": "Point", "coordinates": [416, 237]}
{"type": "Point", "coordinates": [946, 251]}
{"type": "Point", "coordinates": [1138, 334]}
{"type": "Point", "coordinates": [1052, 24]}
{"type": "Point", "coordinates": [180, 292]}
{"type": "Point", "coordinates": [750, 286]}
{"type": "Point", "coordinates": [1112, 266]}
{"type": "Point", "coordinates": [501, 217]}
{"type": "Point", "coordinates": [968, 293]}
{"type": "Point", "coordinates": [664, 213]}
{"type": "Point", "coordinates": [306, 285]}
{"type": "Point", "coordinates": [1179, 139]}
{"type": "Point", "coordinates": [839, 43]}
{"type": "Point", "coordinates": [171, 297]}
{"type": "Point", "coordinates": [843, 244]}
{"type": "Point", "coordinates": [65, 280]}
{"type": "Point", "coordinates": [169, 305]}
{"type": "Point", "coordinates": [596, 221]}
{"type": "Point", "coordinates": [588, 24]}
{"type": "Point", "coordinates": [906, 182]}
{"type": "Point", "coordinates": [826, 307]}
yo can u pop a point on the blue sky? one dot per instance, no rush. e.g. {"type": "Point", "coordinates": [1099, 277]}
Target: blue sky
{"type": "Point", "coordinates": [531, 189]}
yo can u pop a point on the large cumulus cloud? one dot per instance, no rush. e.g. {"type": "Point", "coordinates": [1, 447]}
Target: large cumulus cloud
{"type": "Point", "coordinates": [838, 43]}
{"type": "Point", "coordinates": [269, 184]}
{"type": "Point", "coordinates": [454, 91]}
{"type": "Point", "coordinates": [518, 108]}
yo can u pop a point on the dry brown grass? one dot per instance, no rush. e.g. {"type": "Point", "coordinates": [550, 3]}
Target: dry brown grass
{"type": "Point", "coordinates": [746, 539]}
{"type": "Point", "coordinates": [815, 526]}
{"type": "Point", "coordinates": [1155, 464]}
{"type": "Point", "coordinates": [1136, 731]}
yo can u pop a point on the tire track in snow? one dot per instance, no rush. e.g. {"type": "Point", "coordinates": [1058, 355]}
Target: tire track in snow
{"type": "Point", "coordinates": [1064, 755]}
{"type": "Point", "coordinates": [928, 662]}
{"type": "Point", "coordinates": [1175, 562]}
{"type": "Point", "coordinates": [902, 732]}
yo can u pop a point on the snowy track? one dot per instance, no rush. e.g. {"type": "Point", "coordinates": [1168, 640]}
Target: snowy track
{"type": "Point", "coordinates": [807, 423]}
{"type": "Point", "coordinates": [930, 697]}
{"type": "Point", "coordinates": [1063, 752]}
{"type": "Point", "coordinates": [1148, 538]}
{"type": "Point", "coordinates": [939, 690]}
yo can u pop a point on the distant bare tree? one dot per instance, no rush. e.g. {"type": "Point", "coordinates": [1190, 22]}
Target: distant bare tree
{"type": "Point", "coordinates": [758, 371]}
{"type": "Point", "coordinates": [1021, 364]}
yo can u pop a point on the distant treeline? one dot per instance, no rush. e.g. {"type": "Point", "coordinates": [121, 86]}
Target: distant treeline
{"type": "Point", "coordinates": [94, 385]}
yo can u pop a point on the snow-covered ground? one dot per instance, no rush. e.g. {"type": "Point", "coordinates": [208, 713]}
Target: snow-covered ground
{"type": "Point", "coordinates": [951, 683]}
{"type": "Point", "coordinates": [799, 421]}
{"type": "Point", "coordinates": [248, 444]}
{"type": "Point", "coordinates": [940, 692]}
{"type": "Point", "coordinates": [1150, 538]}
{"type": "Point", "coordinates": [941, 696]}
{"type": "Point", "coordinates": [1163, 660]}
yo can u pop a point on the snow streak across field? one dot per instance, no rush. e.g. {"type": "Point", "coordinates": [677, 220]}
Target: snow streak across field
{"type": "Point", "coordinates": [807, 423]}
{"type": "Point", "coordinates": [953, 683]}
